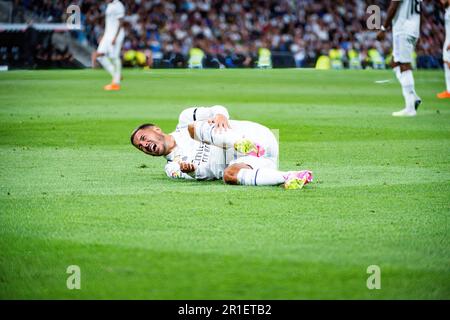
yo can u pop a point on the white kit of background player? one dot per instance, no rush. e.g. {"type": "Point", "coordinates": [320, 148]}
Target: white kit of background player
{"type": "Point", "coordinates": [446, 51]}
{"type": "Point", "coordinates": [108, 51]}
{"type": "Point", "coordinates": [206, 145]}
{"type": "Point", "coordinates": [404, 17]}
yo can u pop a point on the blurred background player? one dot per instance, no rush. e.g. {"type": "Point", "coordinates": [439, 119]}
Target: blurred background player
{"type": "Point", "coordinates": [108, 52]}
{"type": "Point", "coordinates": [445, 50]}
{"type": "Point", "coordinates": [404, 17]}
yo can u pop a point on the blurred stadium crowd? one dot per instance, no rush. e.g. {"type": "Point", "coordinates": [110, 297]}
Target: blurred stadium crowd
{"type": "Point", "coordinates": [230, 33]}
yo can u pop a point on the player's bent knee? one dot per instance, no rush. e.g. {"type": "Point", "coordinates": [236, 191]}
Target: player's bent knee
{"type": "Point", "coordinates": [230, 175]}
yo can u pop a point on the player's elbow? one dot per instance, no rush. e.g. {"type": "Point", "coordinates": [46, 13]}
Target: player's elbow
{"type": "Point", "coordinates": [191, 130]}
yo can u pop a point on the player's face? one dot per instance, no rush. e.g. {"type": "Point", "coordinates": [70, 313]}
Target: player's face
{"type": "Point", "coordinates": [150, 141]}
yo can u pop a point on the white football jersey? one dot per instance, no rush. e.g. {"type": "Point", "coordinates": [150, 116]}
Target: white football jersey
{"type": "Point", "coordinates": [210, 161]}
{"type": "Point", "coordinates": [114, 11]}
{"type": "Point", "coordinates": [407, 18]}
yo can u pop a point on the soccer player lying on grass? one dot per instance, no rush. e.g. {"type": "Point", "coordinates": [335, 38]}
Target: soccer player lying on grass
{"type": "Point", "coordinates": [206, 145]}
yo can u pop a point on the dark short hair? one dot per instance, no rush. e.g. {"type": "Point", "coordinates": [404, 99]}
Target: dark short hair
{"type": "Point", "coordinates": [142, 126]}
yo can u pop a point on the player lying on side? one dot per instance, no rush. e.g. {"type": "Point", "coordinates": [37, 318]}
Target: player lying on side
{"type": "Point", "coordinates": [206, 145]}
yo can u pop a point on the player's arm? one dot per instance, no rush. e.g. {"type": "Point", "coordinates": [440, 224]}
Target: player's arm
{"type": "Point", "coordinates": [118, 31]}
{"type": "Point", "coordinates": [215, 114]}
{"type": "Point", "coordinates": [182, 170]}
{"type": "Point", "coordinates": [392, 10]}
{"type": "Point", "coordinates": [120, 15]}
{"type": "Point", "coordinates": [188, 171]}
{"type": "Point", "coordinates": [200, 172]}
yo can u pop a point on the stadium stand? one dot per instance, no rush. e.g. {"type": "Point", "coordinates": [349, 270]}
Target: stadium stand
{"type": "Point", "coordinates": [232, 32]}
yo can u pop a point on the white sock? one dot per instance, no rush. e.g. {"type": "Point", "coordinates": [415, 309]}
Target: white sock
{"type": "Point", "coordinates": [107, 64]}
{"type": "Point", "coordinates": [117, 70]}
{"type": "Point", "coordinates": [260, 177]}
{"type": "Point", "coordinates": [447, 76]}
{"type": "Point", "coordinates": [407, 82]}
{"type": "Point", "coordinates": [205, 132]}
{"type": "Point", "coordinates": [398, 73]}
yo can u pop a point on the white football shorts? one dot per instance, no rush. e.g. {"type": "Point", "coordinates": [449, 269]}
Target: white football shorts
{"type": "Point", "coordinates": [269, 142]}
{"type": "Point", "coordinates": [108, 49]}
{"type": "Point", "coordinates": [404, 46]}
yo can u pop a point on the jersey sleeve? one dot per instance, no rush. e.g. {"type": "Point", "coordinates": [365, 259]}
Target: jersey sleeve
{"type": "Point", "coordinates": [173, 171]}
{"type": "Point", "coordinates": [200, 113]}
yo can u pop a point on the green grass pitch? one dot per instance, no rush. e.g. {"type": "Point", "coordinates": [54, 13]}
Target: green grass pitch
{"type": "Point", "coordinates": [74, 191]}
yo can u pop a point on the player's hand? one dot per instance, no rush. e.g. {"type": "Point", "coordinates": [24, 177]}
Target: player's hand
{"type": "Point", "coordinates": [448, 47]}
{"type": "Point", "coordinates": [221, 123]}
{"type": "Point", "coordinates": [113, 42]}
{"type": "Point", "coordinates": [187, 167]}
{"type": "Point", "coordinates": [381, 35]}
